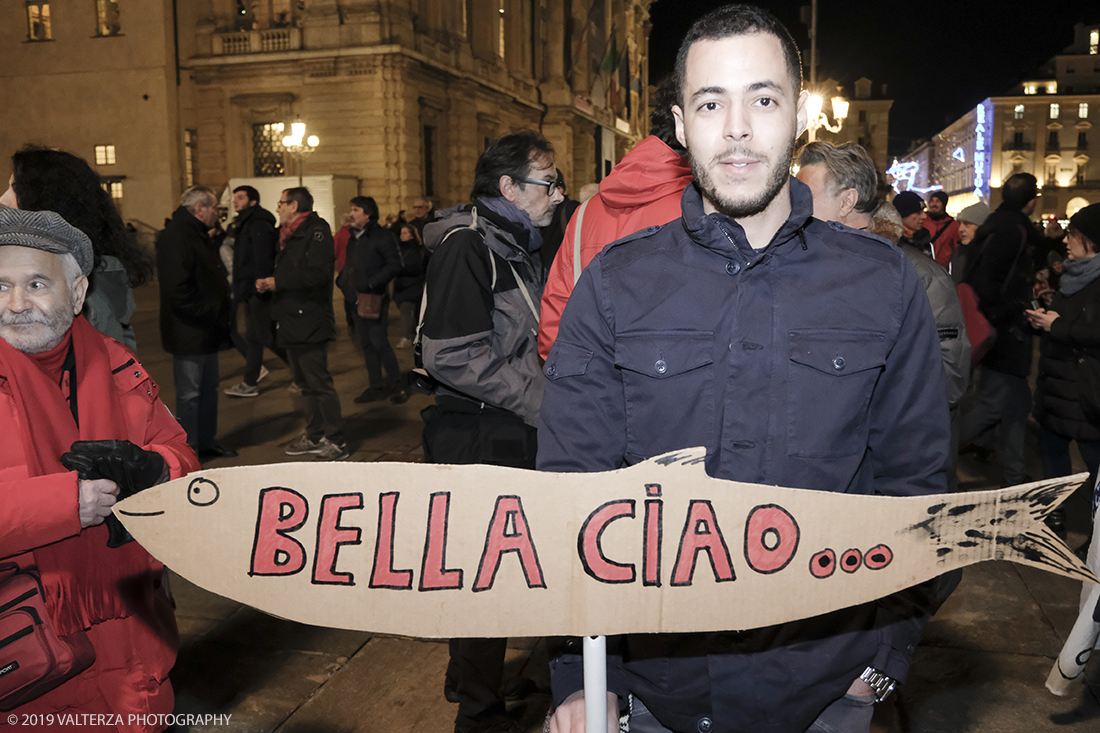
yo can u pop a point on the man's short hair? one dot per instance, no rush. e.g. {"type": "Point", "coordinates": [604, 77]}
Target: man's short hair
{"type": "Point", "coordinates": [301, 196]}
{"type": "Point", "coordinates": [512, 156]}
{"type": "Point", "coordinates": [253, 194]}
{"type": "Point", "coordinates": [662, 124]}
{"type": "Point", "coordinates": [1019, 189]}
{"type": "Point", "coordinates": [849, 166]}
{"type": "Point", "coordinates": [738, 20]}
{"type": "Point", "coordinates": [367, 204]}
{"type": "Point", "coordinates": [198, 196]}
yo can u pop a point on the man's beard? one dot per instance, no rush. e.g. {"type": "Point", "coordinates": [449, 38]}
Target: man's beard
{"type": "Point", "coordinates": [777, 176]}
{"type": "Point", "coordinates": [57, 323]}
{"type": "Point", "coordinates": [936, 215]}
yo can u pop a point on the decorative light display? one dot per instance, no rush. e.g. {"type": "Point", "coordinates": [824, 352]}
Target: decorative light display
{"type": "Point", "coordinates": [983, 149]}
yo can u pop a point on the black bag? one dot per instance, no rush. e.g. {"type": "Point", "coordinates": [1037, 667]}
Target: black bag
{"type": "Point", "coordinates": [1088, 381]}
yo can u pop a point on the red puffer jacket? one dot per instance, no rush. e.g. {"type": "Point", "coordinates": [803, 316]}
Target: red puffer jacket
{"type": "Point", "coordinates": [134, 650]}
{"type": "Point", "coordinates": [643, 190]}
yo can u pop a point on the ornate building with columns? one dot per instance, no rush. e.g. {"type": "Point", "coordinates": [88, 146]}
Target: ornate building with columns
{"type": "Point", "coordinates": [403, 94]}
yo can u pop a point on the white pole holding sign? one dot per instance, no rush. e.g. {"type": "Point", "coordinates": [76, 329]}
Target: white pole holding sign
{"type": "Point", "coordinates": [595, 684]}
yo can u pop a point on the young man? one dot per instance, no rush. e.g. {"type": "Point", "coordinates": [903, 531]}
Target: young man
{"type": "Point", "coordinates": [800, 353]}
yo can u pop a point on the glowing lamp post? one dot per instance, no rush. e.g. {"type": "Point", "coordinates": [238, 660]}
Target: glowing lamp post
{"type": "Point", "coordinates": [816, 117]}
{"type": "Point", "coordinates": [298, 145]}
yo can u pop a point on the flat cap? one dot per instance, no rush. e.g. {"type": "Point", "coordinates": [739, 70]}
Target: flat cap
{"type": "Point", "coordinates": [47, 231]}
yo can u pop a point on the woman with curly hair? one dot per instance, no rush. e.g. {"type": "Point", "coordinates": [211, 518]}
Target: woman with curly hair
{"type": "Point", "coordinates": [53, 180]}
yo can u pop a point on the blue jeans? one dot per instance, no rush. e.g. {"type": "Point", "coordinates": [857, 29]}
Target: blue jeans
{"type": "Point", "coordinates": [196, 379]}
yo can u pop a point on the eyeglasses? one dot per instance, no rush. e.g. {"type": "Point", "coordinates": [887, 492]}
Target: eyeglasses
{"type": "Point", "coordinates": [282, 202]}
{"type": "Point", "coordinates": [551, 186]}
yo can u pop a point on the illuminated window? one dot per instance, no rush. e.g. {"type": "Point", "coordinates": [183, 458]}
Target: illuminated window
{"type": "Point", "coordinates": [104, 154]}
{"type": "Point", "coordinates": [1030, 87]}
{"type": "Point", "coordinates": [108, 18]}
{"type": "Point", "coordinates": [1054, 111]}
{"type": "Point", "coordinates": [1052, 87]}
{"type": "Point", "coordinates": [1094, 42]}
{"type": "Point", "coordinates": [113, 186]}
{"type": "Point", "coordinates": [268, 150]}
{"type": "Point", "coordinates": [1083, 110]}
{"type": "Point", "coordinates": [1018, 113]}
{"type": "Point", "coordinates": [38, 22]}
{"type": "Point", "coordinates": [190, 156]}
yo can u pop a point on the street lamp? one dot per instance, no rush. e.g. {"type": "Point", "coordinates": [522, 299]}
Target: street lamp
{"type": "Point", "coordinates": [816, 117]}
{"type": "Point", "coordinates": [298, 145]}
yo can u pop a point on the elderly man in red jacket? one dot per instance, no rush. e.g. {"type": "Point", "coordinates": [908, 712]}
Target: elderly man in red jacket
{"type": "Point", "coordinates": [70, 396]}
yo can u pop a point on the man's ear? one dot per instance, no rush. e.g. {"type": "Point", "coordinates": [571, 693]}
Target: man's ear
{"type": "Point", "coordinates": [848, 200]}
{"type": "Point", "coordinates": [678, 116]}
{"type": "Point", "coordinates": [79, 290]}
{"type": "Point", "coordinates": [508, 188]}
{"type": "Point", "coordinates": [802, 116]}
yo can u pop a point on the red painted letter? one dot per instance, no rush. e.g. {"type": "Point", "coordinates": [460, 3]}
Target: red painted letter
{"type": "Point", "coordinates": [273, 551]}
{"type": "Point", "coordinates": [330, 535]}
{"type": "Point", "coordinates": [701, 533]}
{"type": "Point", "coordinates": [590, 550]}
{"type": "Point", "coordinates": [508, 532]}
{"type": "Point", "coordinates": [771, 538]}
{"type": "Point", "coordinates": [433, 572]}
{"type": "Point", "coordinates": [651, 544]}
{"type": "Point", "coordinates": [383, 575]}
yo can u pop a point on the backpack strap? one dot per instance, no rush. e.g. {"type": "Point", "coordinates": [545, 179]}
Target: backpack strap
{"type": "Point", "coordinates": [577, 243]}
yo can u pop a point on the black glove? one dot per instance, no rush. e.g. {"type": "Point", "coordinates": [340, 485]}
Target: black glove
{"type": "Point", "coordinates": [134, 469]}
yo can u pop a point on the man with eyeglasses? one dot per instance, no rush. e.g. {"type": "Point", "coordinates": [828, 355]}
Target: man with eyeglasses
{"type": "Point", "coordinates": [422, 214]}
{"type": "Point", "coordinates": [479, 341]}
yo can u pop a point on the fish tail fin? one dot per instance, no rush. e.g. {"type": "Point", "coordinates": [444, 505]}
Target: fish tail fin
{"type": "Point", "coordinates": [1023, 535]}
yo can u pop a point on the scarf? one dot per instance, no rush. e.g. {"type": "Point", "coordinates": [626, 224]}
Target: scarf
{"type": "Point", "coordinates": [287, 229]}
{"type": "Point", "coordinates": [511, 212]}
{"type": "Point", "coordinates": [1078, 274]}
{"type": "Point", "coordinates": [84, 580]}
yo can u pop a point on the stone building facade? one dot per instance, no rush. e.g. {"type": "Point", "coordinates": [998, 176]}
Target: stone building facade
{"type": "Point", "coordinates": [403, 94]}
{"type": "Point", "coordinates": [868, 120]}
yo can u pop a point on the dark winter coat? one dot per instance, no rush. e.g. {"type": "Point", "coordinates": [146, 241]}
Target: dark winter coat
{"type": "Point", "coordinates": [409, 285]}
{"type": "Point", "coordinates": [304, 269]}
{"type": "Point", "coordinates": [1057, 393]}
{"type": "Point", "coordinates": [374, 261]}
{"type": "Point", "coordinates": [194, 288]}
{"type": "Point", "coordinates": [813, 363]}
{"type": "Point", "coordinates": [1006, 237]}
{"type": "Point", "coordinates": [254, 247]}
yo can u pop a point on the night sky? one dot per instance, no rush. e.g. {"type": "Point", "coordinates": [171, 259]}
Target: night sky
{"type": "Point", "coordinates": [938, 58]}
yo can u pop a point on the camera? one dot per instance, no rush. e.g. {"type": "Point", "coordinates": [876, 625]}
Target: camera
{"type": "Point", "coordinates": [422, 382]}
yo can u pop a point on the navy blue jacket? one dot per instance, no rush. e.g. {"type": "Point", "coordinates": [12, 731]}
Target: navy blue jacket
{"type": "Point", "coordinates": [813, 363]}
{"type": "Point", "coordinates": [254, 247]}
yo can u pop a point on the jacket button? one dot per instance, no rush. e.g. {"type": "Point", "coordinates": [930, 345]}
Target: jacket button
{"type": "Point", "coordinates": [838, 363]}
{"type": "Point", "coordinates": [705, 725]}
{"type": "Point", "coordinates": [660, 367]}
{"type": "Point", "coordinates": [551, 370]}
{"type": "Point", "coordinates": [733, 267]}
{"type": "Point", "coordinates": [137, 374]}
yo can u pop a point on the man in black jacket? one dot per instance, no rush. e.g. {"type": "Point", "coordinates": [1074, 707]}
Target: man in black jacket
{"type": "Point", "coordinates": [302, 283]}
{"type": "Point", "coordinates": [372, 261]}
{"type": "Point", "coordinates": [254, 245]}
{"type": "Point", "coordinates": [194, 315]}
{"type": "Point", "coordinates": [999, 269]}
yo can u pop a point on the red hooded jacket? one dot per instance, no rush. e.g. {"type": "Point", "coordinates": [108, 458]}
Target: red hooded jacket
{"type": "Point", "coordinates": [643, 190]}
{"type": "Point", "coordinates": [946, 242]}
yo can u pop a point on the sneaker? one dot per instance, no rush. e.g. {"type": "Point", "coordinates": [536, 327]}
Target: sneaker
{"type": "Point", "coordinates": [371, 394]}
{"type": "Point", "coordinates": [304, 445]}
{"type": "Point", "coordinates": [244, 389]}
{"type": "Point", "coordinates": [263, 373]}
{"type": "Point", "coordinates": [331, 451]}
{"type": "Point", "coordinates": [404, 344]}
{"type": "Point", "coordinates": [399, 397]}
{"type": "Point", "coordinates": [294, 388]}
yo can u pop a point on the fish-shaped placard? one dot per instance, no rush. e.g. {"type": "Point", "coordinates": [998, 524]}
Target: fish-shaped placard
{"type": "Point", "coordinates": [484, 551]}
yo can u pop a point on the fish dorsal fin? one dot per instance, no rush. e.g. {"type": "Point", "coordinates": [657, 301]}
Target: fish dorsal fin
{"type": "Point", "coordinates": [684, 457]}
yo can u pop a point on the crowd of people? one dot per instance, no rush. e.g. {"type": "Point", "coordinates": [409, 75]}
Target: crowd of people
{"type": "Point", "coordinates": [808, 330]}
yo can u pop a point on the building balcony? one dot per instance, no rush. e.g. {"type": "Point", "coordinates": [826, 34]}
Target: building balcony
{"type": "Point", "coordinates": [265, 41]}
{"type": "Point", "coordinates": [1011, 145]}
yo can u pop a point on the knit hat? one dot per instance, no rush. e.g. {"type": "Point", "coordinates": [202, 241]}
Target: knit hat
{"type": "Point", "coordinates": [974, 214]}
{"type": "Point", "coordinates": [941, 196]}
{"type": "Point", "coordinates": [46, 231]}
{"type": "Point", "coordinates": [1087, 221]}
{"type": "Point", "coordinates": [908, 203]}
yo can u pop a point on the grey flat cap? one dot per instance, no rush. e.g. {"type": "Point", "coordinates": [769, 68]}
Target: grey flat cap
{"type": "Point", "coordinates": [47, 231]}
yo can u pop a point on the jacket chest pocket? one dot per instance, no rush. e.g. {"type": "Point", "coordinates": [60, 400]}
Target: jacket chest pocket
{"type": "Point", "coordinates": [831, 377]}
{"type": "Point", "coordinates": [668, 390]}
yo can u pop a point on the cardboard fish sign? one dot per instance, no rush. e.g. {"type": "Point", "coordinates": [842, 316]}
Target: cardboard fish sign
{"type": "Point", "coordinates": [448, 551]}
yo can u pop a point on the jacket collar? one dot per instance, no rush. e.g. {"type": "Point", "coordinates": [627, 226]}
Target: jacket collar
{"type": "Point", "coordinates": [724, 236]}
{"type": "Point", "coordinates": [189, 220]}
{"type": "Point", "coordinates": [519, 235]}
